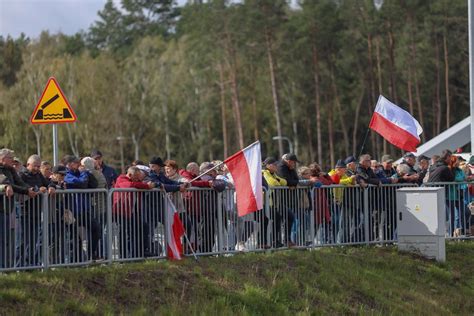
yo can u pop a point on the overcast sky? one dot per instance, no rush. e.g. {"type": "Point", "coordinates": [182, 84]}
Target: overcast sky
{"type": "Point", "coordinates": [33, 16]}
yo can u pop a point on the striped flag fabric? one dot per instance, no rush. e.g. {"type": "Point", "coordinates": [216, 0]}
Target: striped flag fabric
{"type": "Point", "coordinates": [174, 231]}
{"type": "Point", "coordinates": [245, 167]}
{"type": "Point", "coordinates": [396, 125]}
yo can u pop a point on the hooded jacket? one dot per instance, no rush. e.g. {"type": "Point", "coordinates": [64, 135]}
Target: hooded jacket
{"type": "Point", "coordinates": [125, 203]}
{"type": "Point", "coordinates": [440, 172]}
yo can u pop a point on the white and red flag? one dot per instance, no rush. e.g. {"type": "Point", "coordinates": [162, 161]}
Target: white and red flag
{"type": "Point", "coordinates": [245, 167]}
{"type": "Point", "coordinates": [174, 231]}
{"type": "Point", "coordinates": [396, 125]}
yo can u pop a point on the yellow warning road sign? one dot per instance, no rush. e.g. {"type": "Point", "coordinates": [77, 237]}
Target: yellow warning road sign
{"type": "Point", "coordinates": [53, 106]}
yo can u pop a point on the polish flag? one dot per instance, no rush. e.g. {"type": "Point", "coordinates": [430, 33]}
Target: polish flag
{"type": "Point", "coordinates": [396, 125]}
{"type": "Point", "coordinates": [245, 167]}
{"type": "Point", "coordinates": [174, 231]}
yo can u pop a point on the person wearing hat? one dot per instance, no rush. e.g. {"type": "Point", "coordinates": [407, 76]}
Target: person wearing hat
{"type": "Point", "coordinates": [351, 166]}
{"type": "Point", "coordinates": [270, 175]}
{"type": "Point", "coordinates": [58, 173]}
{"type": "Point", "coordinates": [269, 172]}
{"type": "Point", "coordinates": [286, 169]}
{"type": "Point", "coordinates": [338, 217]}
{"type": "Point", "coordinates": [109, 173]}
{"type": "Point", "coordinates": [339, 174]}
{"type": "Point", "coordinates": [158, 177]}
{"type": "Point", "coordinates": [412, 176]}
{"type": "Point", "coordinates": [387, 166]}
{"type": "Point", "coordinates": [18, 165]}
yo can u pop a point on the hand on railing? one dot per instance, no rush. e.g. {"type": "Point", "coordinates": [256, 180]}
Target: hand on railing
{"type": "Point", "coordinates": [9, 191]}
{"type": "Point", "coordinates": [51, 191]}
{"type": "Point", "coordinates": [183, 187]}
{"type": "Point", "coordinates": [32, 193]}
{"type": "Point", "coordinates": [151, 184]}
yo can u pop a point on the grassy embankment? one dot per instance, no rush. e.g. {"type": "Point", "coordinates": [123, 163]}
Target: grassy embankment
{"type": "Point", "coordinates": [330, 280]}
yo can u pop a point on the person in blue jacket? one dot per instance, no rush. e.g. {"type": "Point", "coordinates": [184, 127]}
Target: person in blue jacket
{"type": "Point", "coordinates": [81, 206]}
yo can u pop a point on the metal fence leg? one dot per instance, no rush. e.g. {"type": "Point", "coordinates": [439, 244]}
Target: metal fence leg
{"type": "Point", "coordinates": [311, 219]}
{"type": "Point", "coordinates": [110, 233]}
{"type": "Point", "coordinates": [366, 214]}
{"type": "Point", "coordinates": [220, 227]}
{"type": "Point", "coordinates": [45, 218]}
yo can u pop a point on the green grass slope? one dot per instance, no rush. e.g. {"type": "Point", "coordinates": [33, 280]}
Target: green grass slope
{"type": "Point", "coordinates": [327, 281]}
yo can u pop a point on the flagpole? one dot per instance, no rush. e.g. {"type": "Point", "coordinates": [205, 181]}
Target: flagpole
{"type": "Point", "coordinates": [215, 167]}
{"type": "Point", "coordinates": [185, 235]}
{"type": "Point", "coordinates": [363, 143]}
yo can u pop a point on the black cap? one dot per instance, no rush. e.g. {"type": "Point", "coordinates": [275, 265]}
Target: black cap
{"type": "Point", "coordinates": [350, 159]}
{"type": "Point", "coordinates": [460, 158]}
{"type": "Point", "coordinates": [157, 161]}
{"type": "Point", "coordinates": [269, 161]}
{"type": "Point", "coordinates": [59, 169]}
{"type": "Point", "coordinates": [340, 164]}
{"type": "Point", "coordinates": [96, 153]}
{"type": "Point", "coordinates": [70, 158]}
{"type": "Point", "coordinates": [290, 157]}
{"type": "Point", "coordinates": [422, 157]}
{"type": "Point", "coordinates": [409, 155]}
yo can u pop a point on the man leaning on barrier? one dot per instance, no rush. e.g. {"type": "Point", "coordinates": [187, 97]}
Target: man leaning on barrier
{"type": "Point", "coordinates": [10, 182]}
{"type": "Point", "coordinates": [31, 225]}
{"type": "Point", "coordinates": [127, 207]}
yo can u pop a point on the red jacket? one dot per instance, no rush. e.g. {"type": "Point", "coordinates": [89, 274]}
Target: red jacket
{"type": "Point", "coordinates": [197, 183]}
{"type": "Point", "coordinates": [192, 199]}
{"type": "Point", "coordinates": [124, 202]}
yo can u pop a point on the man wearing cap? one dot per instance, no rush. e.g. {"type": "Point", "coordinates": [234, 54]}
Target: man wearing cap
{"type": "Point", "coordinates": [387, 166]}
{"type": "Point", "coordinates": [269, 173]}
{"type": "Point", "coordinates": [351, 166]}
{"type": "Point", "coordinates": [108, 172]}
{"type": "Point", "coordinates": [10, 182]}
{"type": "Point", "coordinates": [386, 171]}
{"type": "Point", "coordinates": [341, 212]}
{"type": "Point", "coordinates": [286, 169]}
{"type": "Point", "coordinates": [159, 178]}
{"type": "Point", "coordinates": [412, 177]}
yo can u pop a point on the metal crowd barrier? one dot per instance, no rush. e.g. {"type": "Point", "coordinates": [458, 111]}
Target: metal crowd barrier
{"type": "Point", "coordinates": [78, 227]}
{"type": "Point", "coordinates": [459, 210]}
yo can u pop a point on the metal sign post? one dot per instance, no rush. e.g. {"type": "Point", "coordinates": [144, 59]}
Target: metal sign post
{"type": "Point", "coordinates": [55, 144]}
{"type": "Point", "coordinates": [471, 68]}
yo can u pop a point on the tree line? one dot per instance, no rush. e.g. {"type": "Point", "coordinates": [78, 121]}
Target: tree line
{"type": "Point", "coordinates": [200, 81]}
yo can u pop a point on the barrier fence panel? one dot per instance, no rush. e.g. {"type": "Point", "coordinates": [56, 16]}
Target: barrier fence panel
{"type": "Point", "coordinates": [354, 215]}
{"type": "Point", "coordinates": [76, 227]}
{"type": "Point", "coordinates": [137, 224]}
{"type": "Point", "coordinates": [22, 231]}
{"type": "Point", "coordinates": [251, 232]}
{"type": "Point", "coordinates": [458, 208]}
{"type": "Point", "coordinates": [382, 210]}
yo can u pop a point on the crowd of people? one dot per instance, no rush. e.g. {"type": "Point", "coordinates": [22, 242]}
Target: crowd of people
{"type": "Point", "coordinates": [81, 217]}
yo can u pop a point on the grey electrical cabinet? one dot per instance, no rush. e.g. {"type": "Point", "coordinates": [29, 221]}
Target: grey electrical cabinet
{"type": "Point", "coordinates": [421, 223]}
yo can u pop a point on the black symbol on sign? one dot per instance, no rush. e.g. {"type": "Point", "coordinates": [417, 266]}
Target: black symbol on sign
{"type": "Point", "coordinates": [40, 116]}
